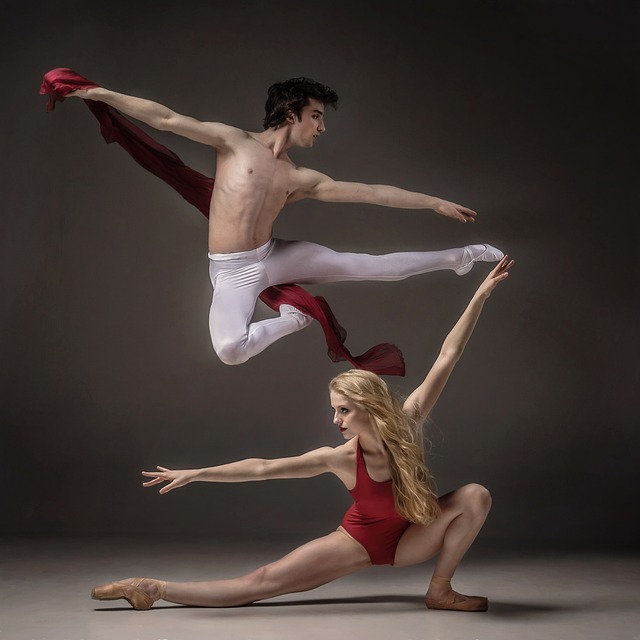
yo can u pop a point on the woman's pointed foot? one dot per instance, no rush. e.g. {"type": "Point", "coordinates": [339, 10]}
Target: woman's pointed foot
{"type": "Point", "coordinates": [140, 593]}
{"type": "Point", "coordinates": [478, 253]}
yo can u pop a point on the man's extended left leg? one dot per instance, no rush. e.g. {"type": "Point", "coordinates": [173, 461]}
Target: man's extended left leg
{"type": "Point", "coordinates": [309, 263]}
{"type": "Point", "coordinates": [238, 279]}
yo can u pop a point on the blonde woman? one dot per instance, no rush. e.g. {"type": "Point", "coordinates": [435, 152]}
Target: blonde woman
{"type": "Point", "coordinates": [396, 517]}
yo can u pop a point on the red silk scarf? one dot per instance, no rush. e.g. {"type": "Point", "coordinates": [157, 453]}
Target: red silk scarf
{"type": "Point", "coordinates": [196, 188]}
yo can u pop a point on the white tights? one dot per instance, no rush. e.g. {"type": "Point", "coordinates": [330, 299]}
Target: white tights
{"type": "Point", "coordinates": [239, 278]}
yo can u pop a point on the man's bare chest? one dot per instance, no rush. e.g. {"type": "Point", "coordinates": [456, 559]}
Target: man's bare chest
{"type": "Point", "coordinates": [251, 173]}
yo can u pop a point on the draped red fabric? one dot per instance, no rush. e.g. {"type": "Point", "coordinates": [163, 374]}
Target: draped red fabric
{"type": "Point", "coordinates": [196, 188]}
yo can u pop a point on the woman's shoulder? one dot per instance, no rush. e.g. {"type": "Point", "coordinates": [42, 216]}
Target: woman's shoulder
{"type": "Point", "coordinates": [343, 457]}
{"type": "Point", "coordinates": [341, 461]}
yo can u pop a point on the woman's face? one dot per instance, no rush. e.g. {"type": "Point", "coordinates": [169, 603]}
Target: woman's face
{"type": "Point", "coordinates": [348, 417]}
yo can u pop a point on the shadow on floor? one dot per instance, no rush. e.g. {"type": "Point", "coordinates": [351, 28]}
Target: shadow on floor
{"type": "Point", "coordinates": [496, 608]}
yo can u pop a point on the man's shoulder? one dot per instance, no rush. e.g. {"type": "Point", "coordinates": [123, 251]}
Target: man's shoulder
{"type": "Point", "coordinates": [230, 132]}
{"type": "Point", "coordinates": [304, 181]}
{"type": "Point", "coordinates": [310, 177]}
{"type": "Point", "coordinates": [218, 134]}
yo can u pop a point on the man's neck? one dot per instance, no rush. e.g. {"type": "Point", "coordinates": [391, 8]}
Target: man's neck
{"type": "Point", "coordinates": [277, 140]}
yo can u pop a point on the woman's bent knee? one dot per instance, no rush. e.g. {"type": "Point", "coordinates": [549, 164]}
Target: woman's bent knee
{"type": "Point", "coordinates": [477, 498]}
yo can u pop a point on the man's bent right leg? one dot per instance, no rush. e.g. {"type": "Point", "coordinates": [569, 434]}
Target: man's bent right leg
{"type": "Point", "coordinates": [235, 291]}
{"type": "Point", "coordinates": [235, 339]}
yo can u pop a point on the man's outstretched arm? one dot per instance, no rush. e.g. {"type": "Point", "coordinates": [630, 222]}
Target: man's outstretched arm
{"type": "Point", "coordinates": [321, 187]}
{"type": "Point", "coordinates": [160, 117]}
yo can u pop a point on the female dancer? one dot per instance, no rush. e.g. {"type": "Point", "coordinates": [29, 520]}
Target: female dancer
{"type": "Point", "coordinates": [396, 518]}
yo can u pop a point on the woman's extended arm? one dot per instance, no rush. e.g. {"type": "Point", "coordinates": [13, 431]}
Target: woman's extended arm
{"type": "Point", "coordinates": [420, 403]}
{"type": "Point", "coordinates": [307, 465]}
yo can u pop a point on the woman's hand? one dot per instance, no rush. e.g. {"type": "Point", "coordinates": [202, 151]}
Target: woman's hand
{"type": "Point", "coordinates": [175, 478]}
{"type": "Point", "coordinates": [500, 273]}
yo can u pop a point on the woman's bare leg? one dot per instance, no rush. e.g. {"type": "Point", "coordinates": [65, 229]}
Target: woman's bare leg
{"type": "Point", "coordinates": [463, 513]}
{"type": "Point", "coordinates": [307, 567]}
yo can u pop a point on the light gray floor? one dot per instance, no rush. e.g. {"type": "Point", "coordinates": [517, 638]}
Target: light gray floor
{"type": "Point", "coordinates": [45, 586]}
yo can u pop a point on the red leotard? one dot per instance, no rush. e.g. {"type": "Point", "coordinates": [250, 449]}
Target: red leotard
{"type": "Point", "coordinates": [372, 519]}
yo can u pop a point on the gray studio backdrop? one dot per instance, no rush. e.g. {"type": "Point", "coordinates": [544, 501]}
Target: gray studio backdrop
{"type": "Point", "coordinates": [521, 110]}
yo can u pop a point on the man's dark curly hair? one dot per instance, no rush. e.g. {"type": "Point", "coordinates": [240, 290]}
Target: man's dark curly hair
{"type": "Point", "coordinates": [292, 95]}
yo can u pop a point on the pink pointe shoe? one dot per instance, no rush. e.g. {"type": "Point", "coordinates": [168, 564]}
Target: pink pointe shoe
{"type": "Point", "coordinates": [132, 590]}
{"type": "Point", "coordinates": [448, 603]}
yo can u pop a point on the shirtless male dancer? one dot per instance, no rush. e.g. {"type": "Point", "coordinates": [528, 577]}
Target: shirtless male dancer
{"type": "Point", "coordinates": [254, 180]}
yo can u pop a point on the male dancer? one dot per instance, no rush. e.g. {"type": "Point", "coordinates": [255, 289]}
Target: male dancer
{"type": "Point", "coordinates": [255, 179]}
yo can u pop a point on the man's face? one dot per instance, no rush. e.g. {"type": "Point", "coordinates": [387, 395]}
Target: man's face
{"type": "Point", "coordinates": [306, 130]}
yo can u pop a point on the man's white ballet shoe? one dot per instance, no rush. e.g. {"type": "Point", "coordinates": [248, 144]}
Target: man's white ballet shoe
{"type": "Point", "coordinates": [478, 253]}
{"type": "Point", "coordinates": [290, 310]}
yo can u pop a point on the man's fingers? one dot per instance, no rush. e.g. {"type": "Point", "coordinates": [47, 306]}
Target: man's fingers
{"type": "Point", "coordinates": [458, 215]}
{"type": "Point", "coordinates": [467, 214]}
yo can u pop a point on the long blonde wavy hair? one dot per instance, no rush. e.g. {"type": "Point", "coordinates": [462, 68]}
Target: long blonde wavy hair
{"type": "Point", "coordinates": [412, 482]}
